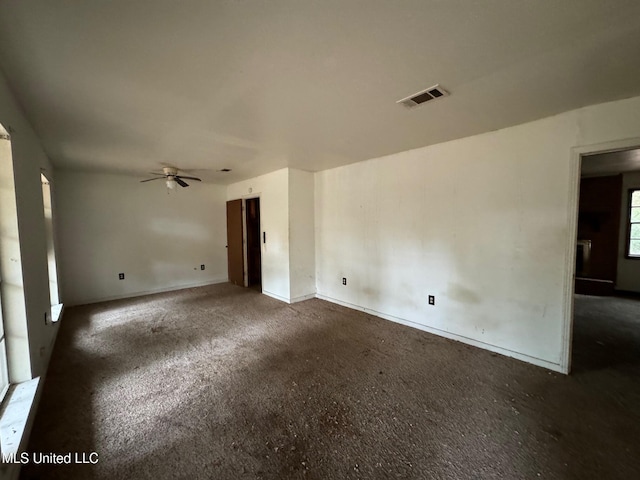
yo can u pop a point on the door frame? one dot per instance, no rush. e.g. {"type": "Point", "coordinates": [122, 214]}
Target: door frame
{"type": "Point", "coordinates": [575, 170]}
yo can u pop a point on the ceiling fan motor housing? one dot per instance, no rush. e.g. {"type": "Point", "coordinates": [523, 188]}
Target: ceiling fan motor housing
{"type": "Point", "coordinates": [171, 177]}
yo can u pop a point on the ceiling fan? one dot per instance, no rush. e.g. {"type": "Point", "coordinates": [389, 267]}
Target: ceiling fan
{"type": "Point", "coordinates": [170, 175]}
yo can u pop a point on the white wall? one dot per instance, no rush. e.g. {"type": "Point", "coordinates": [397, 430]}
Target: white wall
{"type": "Point", "coordinates": [110, 224]}
{"type": "Point", "coordinates": [628, 277]}
{"type": "Point", "coordinates": [301, 235]}
{"type": "Point", "coordinates": [483, 223]}
{"type": "Point", "coordinates": [273, 190]}
{"type": "Point", "coordinates": [30, 340]}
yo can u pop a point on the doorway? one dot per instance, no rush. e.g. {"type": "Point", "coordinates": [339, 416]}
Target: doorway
{"type": "Point", "coordinates": [244, 243]}
{"type": "Point", "coordinates": [254, 254]}
{"type": "Point", "coordinates": [604, 284]}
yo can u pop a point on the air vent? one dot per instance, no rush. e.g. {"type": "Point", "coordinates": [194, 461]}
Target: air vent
{"type": "Point", "coordinates": [431, 93]}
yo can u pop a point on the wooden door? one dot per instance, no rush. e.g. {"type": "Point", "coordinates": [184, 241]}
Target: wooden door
{"type": "Point", "coordinates": [235, 252]}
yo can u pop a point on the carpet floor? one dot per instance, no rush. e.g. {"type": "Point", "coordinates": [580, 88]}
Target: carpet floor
{"type": "Point", "coordinates": [221, 382]}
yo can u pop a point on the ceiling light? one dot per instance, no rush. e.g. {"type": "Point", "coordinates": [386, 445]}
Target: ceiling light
{"type": "Point", "coordinates": [171, 183]}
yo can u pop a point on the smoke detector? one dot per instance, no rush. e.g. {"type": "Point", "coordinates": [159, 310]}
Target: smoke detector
{"type": "Point", "coordinates": [423, 96]}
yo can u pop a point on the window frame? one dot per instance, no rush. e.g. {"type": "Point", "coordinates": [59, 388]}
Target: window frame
{"type": "Point", "coordinates": [628, 239]}
{"type": "Point", "coordinates": [5, 380]}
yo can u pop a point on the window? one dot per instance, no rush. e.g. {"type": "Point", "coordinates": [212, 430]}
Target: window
{"type": "Point", "coordinates": [633, 245]}
{"type": "Point", "coordinates": [4, 374]}
{"type": "Point", "coordinates": [51, 253]}
{"type": "Point", "coordinates": [6, 237]}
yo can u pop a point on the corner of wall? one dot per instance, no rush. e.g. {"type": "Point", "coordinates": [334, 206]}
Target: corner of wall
{"type": "Point", "coordinates": [302, 251]}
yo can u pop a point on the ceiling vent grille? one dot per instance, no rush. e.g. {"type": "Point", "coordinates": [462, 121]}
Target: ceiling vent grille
{"type": "Point", "coordinates": [431, 93]}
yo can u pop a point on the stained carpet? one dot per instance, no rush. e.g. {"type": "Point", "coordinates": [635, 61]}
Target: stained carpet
{"type": "Point", "coordinates": [221, 382]}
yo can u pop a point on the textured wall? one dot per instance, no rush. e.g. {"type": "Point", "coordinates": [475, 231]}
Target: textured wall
{"type": "Point", "coordinates": [302, 235]}
{"type": "Point", "coordinates": [110, 224]}
{"type": "Point", "coordinates": [273, 190]}
{"type": "Point", "coordinates": [482, 223]}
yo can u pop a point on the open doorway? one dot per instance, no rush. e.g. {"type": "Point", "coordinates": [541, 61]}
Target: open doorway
{"type": "Point", "coordinates": [606, 302]}
{"type": "Point", "coordinates": [254, 254]}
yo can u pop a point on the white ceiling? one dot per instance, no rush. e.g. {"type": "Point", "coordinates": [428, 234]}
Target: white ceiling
{"type": "Point", "coordinates": [610, 163]}
{"type": "Point", "coordinates": [128, 86]}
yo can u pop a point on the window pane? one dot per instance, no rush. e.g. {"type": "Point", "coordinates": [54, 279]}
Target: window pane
{"type": "Point", "coordinates": [635, 214]}
{"type": "Point", "coordinates": [635, 198]}
{"type": "Point", "coordinates": [634, 248]}
{"type": "Point", "coordinates": [635, 231]}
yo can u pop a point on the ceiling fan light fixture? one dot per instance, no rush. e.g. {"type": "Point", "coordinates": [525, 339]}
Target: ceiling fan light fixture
{"type": "Point", "coordinates": [171, 177]}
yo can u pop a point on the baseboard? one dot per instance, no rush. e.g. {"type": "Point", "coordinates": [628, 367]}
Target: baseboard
{"type": "Point", "coordinates": [289, 300]}
{"type": "Point", "coordinates": [626, 294]}
{"type": "Point", "coordinates": [556, 367]}
{"type": "Point", "coordinates": [276, 296]}
{"type": "Point", "coordinates": [594, 286]}
{"type": "Point", "coordinates": [302, 298]}
{"type": "Point", "coordinates": [215, 281]}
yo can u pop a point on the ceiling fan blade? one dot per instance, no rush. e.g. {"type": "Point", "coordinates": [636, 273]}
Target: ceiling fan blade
{"type": "Point", "coordinates": [156, 173]}
{"type": "Point", "coordinates": [189, 178]}
{"type": "Point", "coordinates": [149, 179]}
{"type": "Point", "coordinates": [180, 182]}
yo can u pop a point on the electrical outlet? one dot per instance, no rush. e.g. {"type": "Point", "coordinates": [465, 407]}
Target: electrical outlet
{"type": "Point", "coordinates": [202, 267]}
{"type": "Point", "coordinates": [121, 276]}
{"type": "Point", "coordinates": [432, 300]}
{"type": "Point", "coordinates": [344, 281]}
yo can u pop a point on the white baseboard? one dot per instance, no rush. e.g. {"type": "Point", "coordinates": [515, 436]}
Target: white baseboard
{"type": "Point", "coordinates": [152, 291]}
{"type": "Point", "coordinates": [276, 296]}
{"type": "Point", "coordinates": [303, 298]}
{"type": "Point", "coordinates": [289, 300]}
{"type": "Point", "coordinates": [556, 367]}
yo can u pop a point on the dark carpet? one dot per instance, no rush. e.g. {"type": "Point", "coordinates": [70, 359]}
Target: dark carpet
{"type": "Point", "coordinates": [221, 382]}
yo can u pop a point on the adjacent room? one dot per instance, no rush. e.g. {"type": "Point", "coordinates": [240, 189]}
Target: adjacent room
{"type": "Point", "coordinates": [319, 239]}
{"type": "Point", "coordinates": [607, 261]}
